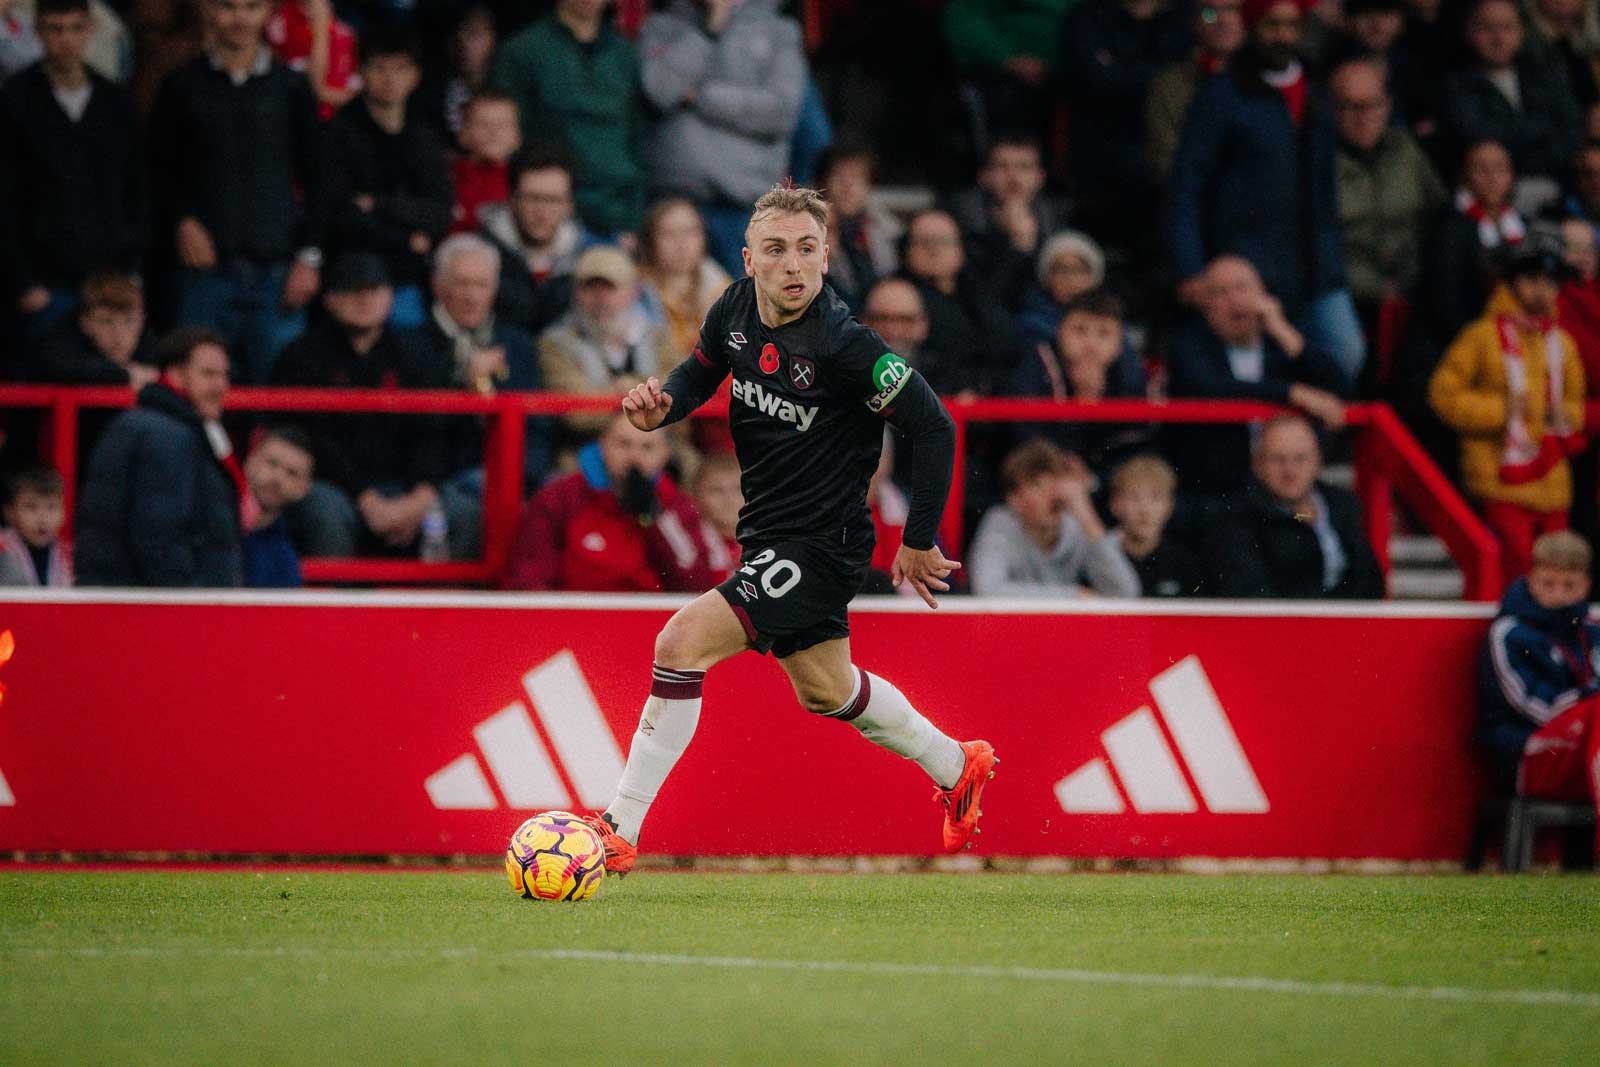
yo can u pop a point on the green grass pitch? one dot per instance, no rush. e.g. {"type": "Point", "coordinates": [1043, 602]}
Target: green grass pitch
{"type": "Point", "coordinates": [396, 967]}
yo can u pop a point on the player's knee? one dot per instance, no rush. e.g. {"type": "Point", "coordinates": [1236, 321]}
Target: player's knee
{"type": "Point", "coordinates": [678, 647]}
{"type": "Point", "coordinates": [821, 697]}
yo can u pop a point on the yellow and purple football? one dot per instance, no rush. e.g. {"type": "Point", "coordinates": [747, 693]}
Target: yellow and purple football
{"type": "Point", "coordinates": [555, 856]}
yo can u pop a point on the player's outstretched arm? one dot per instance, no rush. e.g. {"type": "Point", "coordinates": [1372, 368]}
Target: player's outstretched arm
{"type": "Point", "coordinates": [918, 413]}
{"type": "Point", "coordinates": [646, 405]}
{"type": "Point", "coordinates": [926, 569]}
{"type": "Point", "coordinates": [653, 404]}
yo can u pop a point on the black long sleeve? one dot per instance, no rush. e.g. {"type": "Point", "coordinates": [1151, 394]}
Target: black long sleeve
{"type": "Point", "coordinates": [691, 383]}
{"type": "Point", "coordinates": [918, 414]}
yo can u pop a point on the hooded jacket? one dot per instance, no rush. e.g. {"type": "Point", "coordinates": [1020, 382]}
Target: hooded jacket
{"type": "Point", "coordinates": [728, 103]}
{"type": "Point", "coordinates": [1536, 663]}
{"type": "Point", "coordinates": [158, 509]}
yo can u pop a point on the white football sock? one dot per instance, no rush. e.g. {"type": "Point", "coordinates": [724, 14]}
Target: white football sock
{"type": "Point", "coordinates": [885, 717]}
{"type": "Point", "coordinates": [665, 729]}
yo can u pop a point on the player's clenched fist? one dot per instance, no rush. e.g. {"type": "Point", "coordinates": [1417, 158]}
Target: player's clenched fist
{"type": "Point", "coordinates": [646, 405]}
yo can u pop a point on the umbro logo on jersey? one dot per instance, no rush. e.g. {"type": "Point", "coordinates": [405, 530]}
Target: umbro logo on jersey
{"type": "Point", "coordinates": [783, 410]}
{"type": "Point", "coordinates": [519, 762]}
{"type": "Point", "coordinates": [747, 590]}
{"type": "Point", "coordinates": [736, 340]}
{"type": "Point", "coordinates": [1151, 775]}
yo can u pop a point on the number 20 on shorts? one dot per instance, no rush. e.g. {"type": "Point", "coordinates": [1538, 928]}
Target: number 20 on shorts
{"type": "Point", "coordinates": [781, 575]}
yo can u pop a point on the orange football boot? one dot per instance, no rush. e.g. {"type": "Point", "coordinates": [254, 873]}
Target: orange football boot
{"type": "Point", "coordinates": [619, 854]}
{"type": "Point", "coordinates": [961, 803]}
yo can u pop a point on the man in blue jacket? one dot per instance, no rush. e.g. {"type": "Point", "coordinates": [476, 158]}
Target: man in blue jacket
{"type": "Point", "coordinates": [1254, 177]}
{"type": "Point", "coordinates": [159, 508]}
{"type": "Point", "coordinates": [1538, 676]}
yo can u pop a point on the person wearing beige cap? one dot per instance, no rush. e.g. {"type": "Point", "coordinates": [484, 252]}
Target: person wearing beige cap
{"type": "Point", "coordinates": [605, 344]}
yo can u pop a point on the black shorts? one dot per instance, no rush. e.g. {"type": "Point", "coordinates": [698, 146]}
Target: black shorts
{"type": "Point", "coordinates": [794, 594]}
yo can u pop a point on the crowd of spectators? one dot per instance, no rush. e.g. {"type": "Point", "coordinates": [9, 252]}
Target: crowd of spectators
{"type": "Point", "coordinates": [1240, 199]}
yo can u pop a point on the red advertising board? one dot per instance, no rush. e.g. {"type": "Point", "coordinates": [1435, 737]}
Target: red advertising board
{"type": "Point", "coordinates": [350, 723]}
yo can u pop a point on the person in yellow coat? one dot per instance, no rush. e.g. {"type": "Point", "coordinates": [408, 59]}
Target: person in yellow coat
{"type": "Point", "coordinates": [1512, 386]}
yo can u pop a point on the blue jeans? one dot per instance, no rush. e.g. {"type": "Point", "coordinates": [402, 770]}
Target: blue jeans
{"type": "Point", "coordinates": [242, 301]}
{"type": "Point", "coordinates": [1331, 325]}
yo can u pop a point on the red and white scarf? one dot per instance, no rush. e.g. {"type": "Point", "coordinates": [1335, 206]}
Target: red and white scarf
{"type": "Point", "coordinates": [1523, 459]}
{"type": "Point", "coordinates": [1503, 227]}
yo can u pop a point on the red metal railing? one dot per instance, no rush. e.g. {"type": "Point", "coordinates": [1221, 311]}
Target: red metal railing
{"type": "Point", "coordinates": [1389, 463]}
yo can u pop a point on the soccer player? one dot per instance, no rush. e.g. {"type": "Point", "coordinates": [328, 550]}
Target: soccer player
{"type": "Point", "coordinates": [811, 390]}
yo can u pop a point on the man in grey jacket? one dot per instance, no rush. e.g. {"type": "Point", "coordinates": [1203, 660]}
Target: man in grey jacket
{"type": "Point", "coordinates": [727, 78]}
{"type": "Point", "coordinates": [1046, 539]}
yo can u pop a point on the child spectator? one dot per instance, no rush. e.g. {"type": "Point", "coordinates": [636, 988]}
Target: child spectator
{"type": "Point", "coordinates": [31, 549]}
{"type": "Point", "coordinates": [104, 343]}
{"type": "Point", "coordinates": [719, 498]}
{"type": "Point", "coordinates": [490, 136]}
{"type": "Point", "coordinates": [1512, 387]}
{"type": "Point", "coordinates": [1142, 494]}
{"type": "Point", "coordinates": [278, 475]}
{"type": "Point", "coordinates": [1047, 539]}
{"type": "Point", "coordinates": [1538, 675]}
{"type": "Point", "coordinates": [1090, 361]}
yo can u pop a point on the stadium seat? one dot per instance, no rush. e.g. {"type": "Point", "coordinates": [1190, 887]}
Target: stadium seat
{"type": "Point", "coordinates": [1523, 818]}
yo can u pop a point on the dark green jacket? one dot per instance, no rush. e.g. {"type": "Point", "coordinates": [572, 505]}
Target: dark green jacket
{"type": "Point", "coordinates": [986, 33]}
{"type": "Point", "coordinates": [587, 98]}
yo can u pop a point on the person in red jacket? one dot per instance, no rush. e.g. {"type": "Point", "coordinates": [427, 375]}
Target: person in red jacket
{"type": "Point", "coordinates": [618, 524]}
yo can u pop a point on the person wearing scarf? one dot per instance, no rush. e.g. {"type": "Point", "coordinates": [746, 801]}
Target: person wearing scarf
{"type": "Point", "coordinates": [1512, 387]}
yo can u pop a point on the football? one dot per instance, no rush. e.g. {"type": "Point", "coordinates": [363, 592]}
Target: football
{"type": "Point", "coordinates": [555, 856]}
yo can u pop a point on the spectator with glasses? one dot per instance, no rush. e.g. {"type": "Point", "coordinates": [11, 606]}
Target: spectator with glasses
{"type": "Point", "coordinates": [1388, 191]}
{"type": "Point", "coordinates": [538, 238]}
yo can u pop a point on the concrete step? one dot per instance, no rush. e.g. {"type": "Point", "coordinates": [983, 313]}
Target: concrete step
{"type": "Point", "coordinates": [1425, 584]}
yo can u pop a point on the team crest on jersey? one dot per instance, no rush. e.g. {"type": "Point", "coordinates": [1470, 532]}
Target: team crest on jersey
{"type": "Point", "coordinates": [802, 372]}
{"type": "Point", "coordinates": [889, 376]}
{"type": "Point", "coordinates": [735, 340]}
{"type": "Point", "coordinates": [769, 358]}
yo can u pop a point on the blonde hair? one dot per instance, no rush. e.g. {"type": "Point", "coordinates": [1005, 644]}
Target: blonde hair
{"type": "Point", "coordinates": [1563, 551]}
{"type": "Point", "coordinates": [788, 199]}
{"type": "Point", "coordinates": [1145, 469]}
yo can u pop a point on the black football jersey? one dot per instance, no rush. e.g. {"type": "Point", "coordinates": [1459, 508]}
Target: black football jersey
{"type": "Point", "coordinates": [809, 402]}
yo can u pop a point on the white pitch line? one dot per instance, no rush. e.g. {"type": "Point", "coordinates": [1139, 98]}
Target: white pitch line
{"type": "Point", "coordinates": [1244, 984]}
